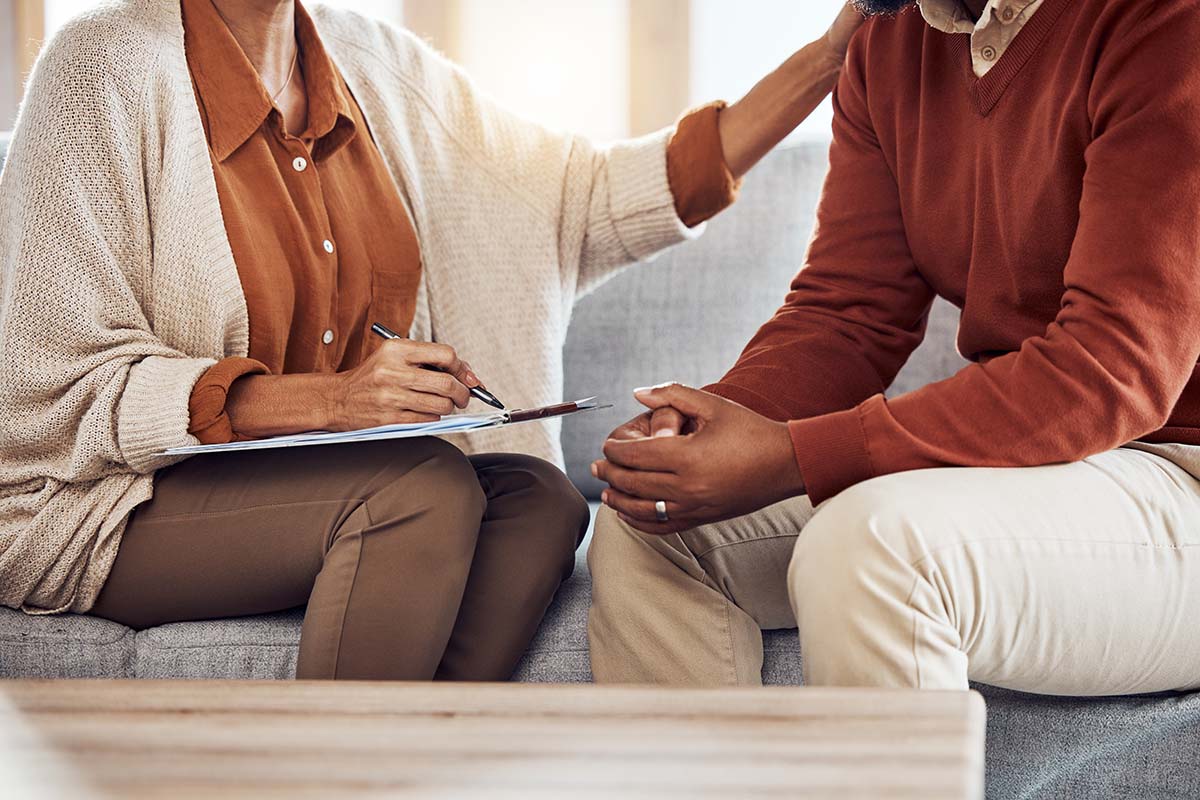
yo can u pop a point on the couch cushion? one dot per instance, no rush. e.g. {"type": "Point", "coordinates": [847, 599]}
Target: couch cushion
{"type": "Point", "coordinates": [249, 648]}
{"type": "Point", "coordinates": [687, 316]}
{"type": "Point", "coordinates": [68, 646]}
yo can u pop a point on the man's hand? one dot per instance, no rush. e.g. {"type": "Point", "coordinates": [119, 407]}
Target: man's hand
{"type": "Point", "coordinates": [708, 458]}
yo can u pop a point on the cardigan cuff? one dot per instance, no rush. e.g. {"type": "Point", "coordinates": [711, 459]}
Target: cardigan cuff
{"type": "Point", "coordinates": [700, 179]}
{"type": "Point", "coordinates": [831, 451]}
{"type": "Point", "coordinates": [153, 413]}
{"type": "Point", "coordinates": [640, 196]}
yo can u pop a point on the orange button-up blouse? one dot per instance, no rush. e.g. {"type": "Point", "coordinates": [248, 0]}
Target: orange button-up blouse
{"type": "Point", "coordinates": [322, 240]}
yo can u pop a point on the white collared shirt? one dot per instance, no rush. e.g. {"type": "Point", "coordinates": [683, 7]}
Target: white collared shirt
{"type": "Point", "coordinates": [999, 24]}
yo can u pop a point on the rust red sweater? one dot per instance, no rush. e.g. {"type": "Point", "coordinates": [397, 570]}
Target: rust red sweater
{"type": "Point", "coordinates": [1056, 201]}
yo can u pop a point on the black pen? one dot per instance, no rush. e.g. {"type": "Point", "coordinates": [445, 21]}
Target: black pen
{"type": "Point", "coordinates": [478, 392]}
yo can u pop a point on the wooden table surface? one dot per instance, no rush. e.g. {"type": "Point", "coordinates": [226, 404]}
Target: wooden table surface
{"type": "Point", "coordinates": [220, 739]}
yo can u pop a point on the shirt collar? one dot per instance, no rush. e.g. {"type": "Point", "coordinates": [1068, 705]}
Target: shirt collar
{"type": "Point", "coordinates": [949, 16]}
{"type": "Point", "coordinates": [235, 101]}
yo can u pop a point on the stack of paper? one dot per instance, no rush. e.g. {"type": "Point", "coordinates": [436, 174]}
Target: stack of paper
{"type": "Point", "coordinates": [457, 423]}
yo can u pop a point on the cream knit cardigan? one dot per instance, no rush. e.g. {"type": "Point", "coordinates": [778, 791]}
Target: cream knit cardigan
{"type": "Point", "coordinates": [118, 287]}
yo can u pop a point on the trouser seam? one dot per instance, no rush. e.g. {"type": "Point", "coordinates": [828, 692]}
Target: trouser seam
{"type": "Point", "coordinates": [337, 649]}
{"type": "Point", "coordinates": [908, 603]}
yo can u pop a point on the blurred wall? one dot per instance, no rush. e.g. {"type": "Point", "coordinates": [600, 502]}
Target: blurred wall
{"type": "Point", "coordinates": [10, 82]}
{"type": "Point", "coordinates": [564, 64]}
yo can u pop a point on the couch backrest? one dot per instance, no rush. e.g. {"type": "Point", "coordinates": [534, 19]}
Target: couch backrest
{"type": "Point", "coordinates": [687, 316]}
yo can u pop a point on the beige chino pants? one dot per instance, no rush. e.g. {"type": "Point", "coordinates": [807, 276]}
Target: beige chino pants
{"type": "Point", "coordinates": [1076, 579]}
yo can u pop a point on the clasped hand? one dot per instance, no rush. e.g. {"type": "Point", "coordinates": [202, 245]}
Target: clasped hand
{"type": "Point", "coordinates": [709, 459]}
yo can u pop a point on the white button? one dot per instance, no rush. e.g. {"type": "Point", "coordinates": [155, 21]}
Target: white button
{"type": "Point", "coordinates": [328, 246]}
{"type": "Point", "coordinates": [988, 53]}
{"type": "Point", "coordinates": [1008, 15]}
{"type": "Point", "coordinates": [328, 337]}
{"type": "Point", "coordinates": [299, 164]}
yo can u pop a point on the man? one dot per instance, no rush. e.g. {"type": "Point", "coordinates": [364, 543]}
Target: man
{"type": "Point", "coordinates": [1032, 522]}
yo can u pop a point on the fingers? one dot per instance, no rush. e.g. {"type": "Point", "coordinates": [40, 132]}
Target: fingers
{"type": "Point", "coordinates": [666, 422]}
{"type": "Point", "coordinates": [640, 509]}
{"type": "Point", "coordinates": [646, 485]}
{"type": "Point", "coordinates": [636, 428]}
{"type": "Point", "coordinates": [690, 402]}
{"type": "Point", "coordinates": [441, 384]}
{"type": "Point", "coordinates": [664, 454]}
{"type": "Point", "coordinates": [423, 403]}
{"type": "Point", "coordinates": [442, 357]}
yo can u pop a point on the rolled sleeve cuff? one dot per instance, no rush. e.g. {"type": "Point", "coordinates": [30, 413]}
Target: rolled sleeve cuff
{"type": "Point", "coordinates": [210, 422]}
{"type": "Point", "coordinates": [700, 179]}
{"type": "Point", "coordinates": [831, 451]}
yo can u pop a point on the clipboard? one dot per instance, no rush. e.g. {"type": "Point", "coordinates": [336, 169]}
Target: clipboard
{"type": "Point", "coordinates": [455, 423]}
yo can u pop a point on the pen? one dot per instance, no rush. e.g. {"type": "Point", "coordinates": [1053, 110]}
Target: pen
{"type": "Point", "coordinates": [478, 392]}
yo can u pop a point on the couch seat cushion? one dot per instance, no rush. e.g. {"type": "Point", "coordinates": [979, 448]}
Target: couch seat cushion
{"type": "Point", "coordinates": [68, 646]}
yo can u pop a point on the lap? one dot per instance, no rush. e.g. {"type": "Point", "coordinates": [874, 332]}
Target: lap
{"type": "Point", "coordinates": [1127, 520]}
{"type": "Point", "coordinates": [247, 533]}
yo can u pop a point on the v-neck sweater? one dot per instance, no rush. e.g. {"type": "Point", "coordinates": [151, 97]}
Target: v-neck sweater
{"type": "Point", "coordinates": [1056, 201]}
{"type": "Point", "coordinates": [118, 287]}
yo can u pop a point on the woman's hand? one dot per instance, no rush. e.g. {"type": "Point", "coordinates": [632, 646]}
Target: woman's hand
{"type": "Point", "coordinates": [723, 461]}
{"type": "Point", "coordinates": [837, 39]}
{"type": "Point", "coordinates": [770, 111]}
{"type": "Point", "coordinates": [394, 387]}
{"type": "Point", "coordinates": [391, 387]}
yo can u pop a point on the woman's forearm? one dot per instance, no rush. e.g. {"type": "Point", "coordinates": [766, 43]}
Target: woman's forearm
{"type": "Point", "coordinates": [260, 406]}
{"type": "Point", "coordinates": [751, 127]}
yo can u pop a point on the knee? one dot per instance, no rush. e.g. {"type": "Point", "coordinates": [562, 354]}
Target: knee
{"type": "Point", "coordinates": [856, 544]}
{"type": "Point", "coordinates": [620, 557]}
{"type": "Point", "coordinates": [440, 492]}
{"type": "Point", "coordinates": [551, 491]}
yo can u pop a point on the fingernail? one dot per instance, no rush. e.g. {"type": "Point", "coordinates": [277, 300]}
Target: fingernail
{"type": "Point", "coordinates": [473, 379]}
{"type": "Point", "coordinates": [595, 470]}
{"type": "Point", "coordinates": [604, 497]}
{"type": "Point", "coordinates": [663, 433]}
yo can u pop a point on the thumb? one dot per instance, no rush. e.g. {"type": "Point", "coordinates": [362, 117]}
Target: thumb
{"type": "Point", "coordinates": [684, 399]}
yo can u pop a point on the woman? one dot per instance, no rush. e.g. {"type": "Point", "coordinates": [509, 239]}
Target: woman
{"type": "Point", "coordinates": [206, 205]}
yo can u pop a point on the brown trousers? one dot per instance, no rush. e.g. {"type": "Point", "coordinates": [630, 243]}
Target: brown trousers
{"type": "Point", "coordinates": [415, 561]}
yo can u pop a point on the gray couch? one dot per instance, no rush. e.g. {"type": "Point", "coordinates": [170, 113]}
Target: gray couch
{"type": "Point", "coordinates": [684, 317]}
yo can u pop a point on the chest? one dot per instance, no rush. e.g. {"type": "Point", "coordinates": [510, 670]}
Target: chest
{"type": "Point", "coordinates": [991, 180]}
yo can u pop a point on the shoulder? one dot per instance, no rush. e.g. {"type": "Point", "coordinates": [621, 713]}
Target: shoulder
{"type": "Point", "coordinates": [110, 51]}
{"type": "Point", "coordinates": [394, 59]}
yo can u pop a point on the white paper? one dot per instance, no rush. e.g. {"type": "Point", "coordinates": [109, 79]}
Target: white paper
{"type": "Point", "coordinates": [455, 423]}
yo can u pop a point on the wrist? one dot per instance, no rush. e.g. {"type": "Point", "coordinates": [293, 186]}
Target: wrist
{"type": "Point", "coordinates": [784, 473]}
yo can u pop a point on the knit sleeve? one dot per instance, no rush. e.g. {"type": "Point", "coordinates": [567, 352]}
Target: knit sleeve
{"type": "Point", "coordinates": [1117, 357]}
{"type": "Point", "coordinates": [858, 307]}
{"type": "Point", "coordinates": [86, 387]}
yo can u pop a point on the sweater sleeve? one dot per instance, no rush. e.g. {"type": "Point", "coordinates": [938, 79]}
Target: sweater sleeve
{"type": "Point", "coordinates": [858, 308]}
{"type": "Point", "coordinates": [1112, 365]}
{"type": "Point", "coordinates": [86, 387]}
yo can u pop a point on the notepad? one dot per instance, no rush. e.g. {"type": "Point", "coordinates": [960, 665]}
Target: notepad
{"type": "Point", "coordinates": [455, 423]}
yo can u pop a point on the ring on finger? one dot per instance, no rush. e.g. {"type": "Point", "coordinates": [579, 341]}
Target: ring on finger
{"type": "Point", "coordinates": [660, 511]}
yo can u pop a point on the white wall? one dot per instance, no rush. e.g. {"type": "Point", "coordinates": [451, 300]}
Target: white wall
{"type": "Point", "coordinates": [564, 64]}
{"type": "Point", "coordinates": [737, 42]}
{"type": "Point", "coordinates": [9, 82]}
